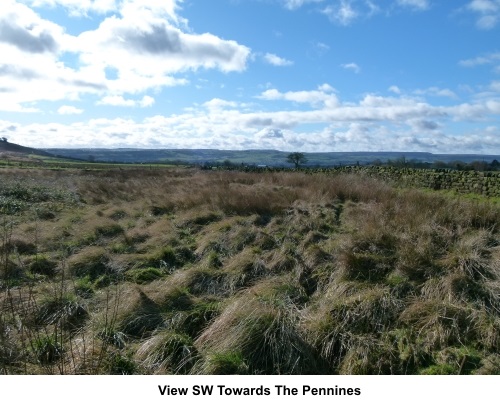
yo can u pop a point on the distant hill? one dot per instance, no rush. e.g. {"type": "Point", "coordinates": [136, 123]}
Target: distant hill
{"type": "Point", "coordinates": [256, 157]}
{"type": "Point", "coordinates": [15, 149]}
{"type": "Point", "coordinates": [247, 157]}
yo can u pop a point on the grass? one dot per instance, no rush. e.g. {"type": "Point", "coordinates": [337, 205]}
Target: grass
{"type": "Point", "coordinates": [180, 271]}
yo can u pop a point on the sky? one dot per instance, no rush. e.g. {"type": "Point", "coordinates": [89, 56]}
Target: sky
{"type": "Point", "coordinates": [290, 75]}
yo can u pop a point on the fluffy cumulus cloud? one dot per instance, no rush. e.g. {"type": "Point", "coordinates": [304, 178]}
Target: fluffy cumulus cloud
{"type": "Point", "coordinates": [374, 122]}
{"type": "Point", "coordinates": [144, 42]}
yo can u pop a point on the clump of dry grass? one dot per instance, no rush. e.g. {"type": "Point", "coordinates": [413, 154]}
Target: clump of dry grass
{"type": "Point", "coordinates": [167, 352]}
{"type": "Point", "coordinates": [261, 324]}
{"type": "Point", "coordinates": [347, 313]}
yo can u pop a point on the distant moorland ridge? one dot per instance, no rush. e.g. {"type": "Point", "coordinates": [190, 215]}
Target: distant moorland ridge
{"type": "Point", "coordinates": [256, 157]}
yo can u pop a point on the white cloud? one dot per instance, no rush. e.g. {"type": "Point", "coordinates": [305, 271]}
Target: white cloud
{"type": "Point", "coordinates": [117, 101]}
{"type": "Point", "coordinates": [295, 4]}
{"type": "Point", "coordinates": [320, 97]}
{"type": "Point", "coordinates": [415, 4]}
{"type": "Point", "coordinates": [372, 123]}
{"type": "Point", "coordinates": [326, 88]}
{"type": "Point", "coordinates": [487, 12]}
{"type": "Point", "coordinates": [69, 110]}
{"type": "Point", "coordinates": [436, 92]}
{"type": "Point", "coordinates": [395, 89]}
{"type": "Point", "coordinates": [276, 60]}
{"type": "Point", "coordinates": [150, 46]}
{"type": "Point", "coordinates": [342, 13]}
{"type": "Point", "coordinates": [78, 7]}
{"type": "Point", "coordinates": [345, 12]}
{"type": "Point", "coordinates": [120, 101]}
{"type": "Point", "coordinates": [143, 42]}
{"type": "Point", "coordinates": [147, 101]}
{"type": "Point", "coordinates": [351, 66]}
{"type": "Point", "coordinates": [488, 59]}
{"type": "Point", "coordinates": [219, 104]}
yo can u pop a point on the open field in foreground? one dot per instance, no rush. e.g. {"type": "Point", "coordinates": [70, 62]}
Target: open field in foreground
{"type": "Point", "coordinates": [188, 272]}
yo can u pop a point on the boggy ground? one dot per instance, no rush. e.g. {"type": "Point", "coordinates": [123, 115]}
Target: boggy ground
{"type": "Point", "coordinates": [180, 271]}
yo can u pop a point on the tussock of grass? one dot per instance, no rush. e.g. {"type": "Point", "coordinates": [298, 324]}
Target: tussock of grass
{"type": "Point", "coordinates": [65, 310]}
{"type": "Point", "coordinates": [168, 352]}
{"type": "Point", "coordinates": [348, 314]}
{"type": "Point", "coordinates": [91, 262]}
{"type": "Point", "coordinates": [43, 265]}
{"type": "Point", "coordinates": [141, 316]}
{"type": "Point", "coordinates": [225, 363]}
{"type": "Point", "coordinates": [261, 325]}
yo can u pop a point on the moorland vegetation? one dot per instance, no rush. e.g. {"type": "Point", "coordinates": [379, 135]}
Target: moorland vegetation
{"type": "Point", "coordinates": [183, 271]}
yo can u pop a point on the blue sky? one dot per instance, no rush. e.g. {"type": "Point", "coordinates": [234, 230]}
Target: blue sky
{"type": "Point", "coordinates": [292, 75]}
